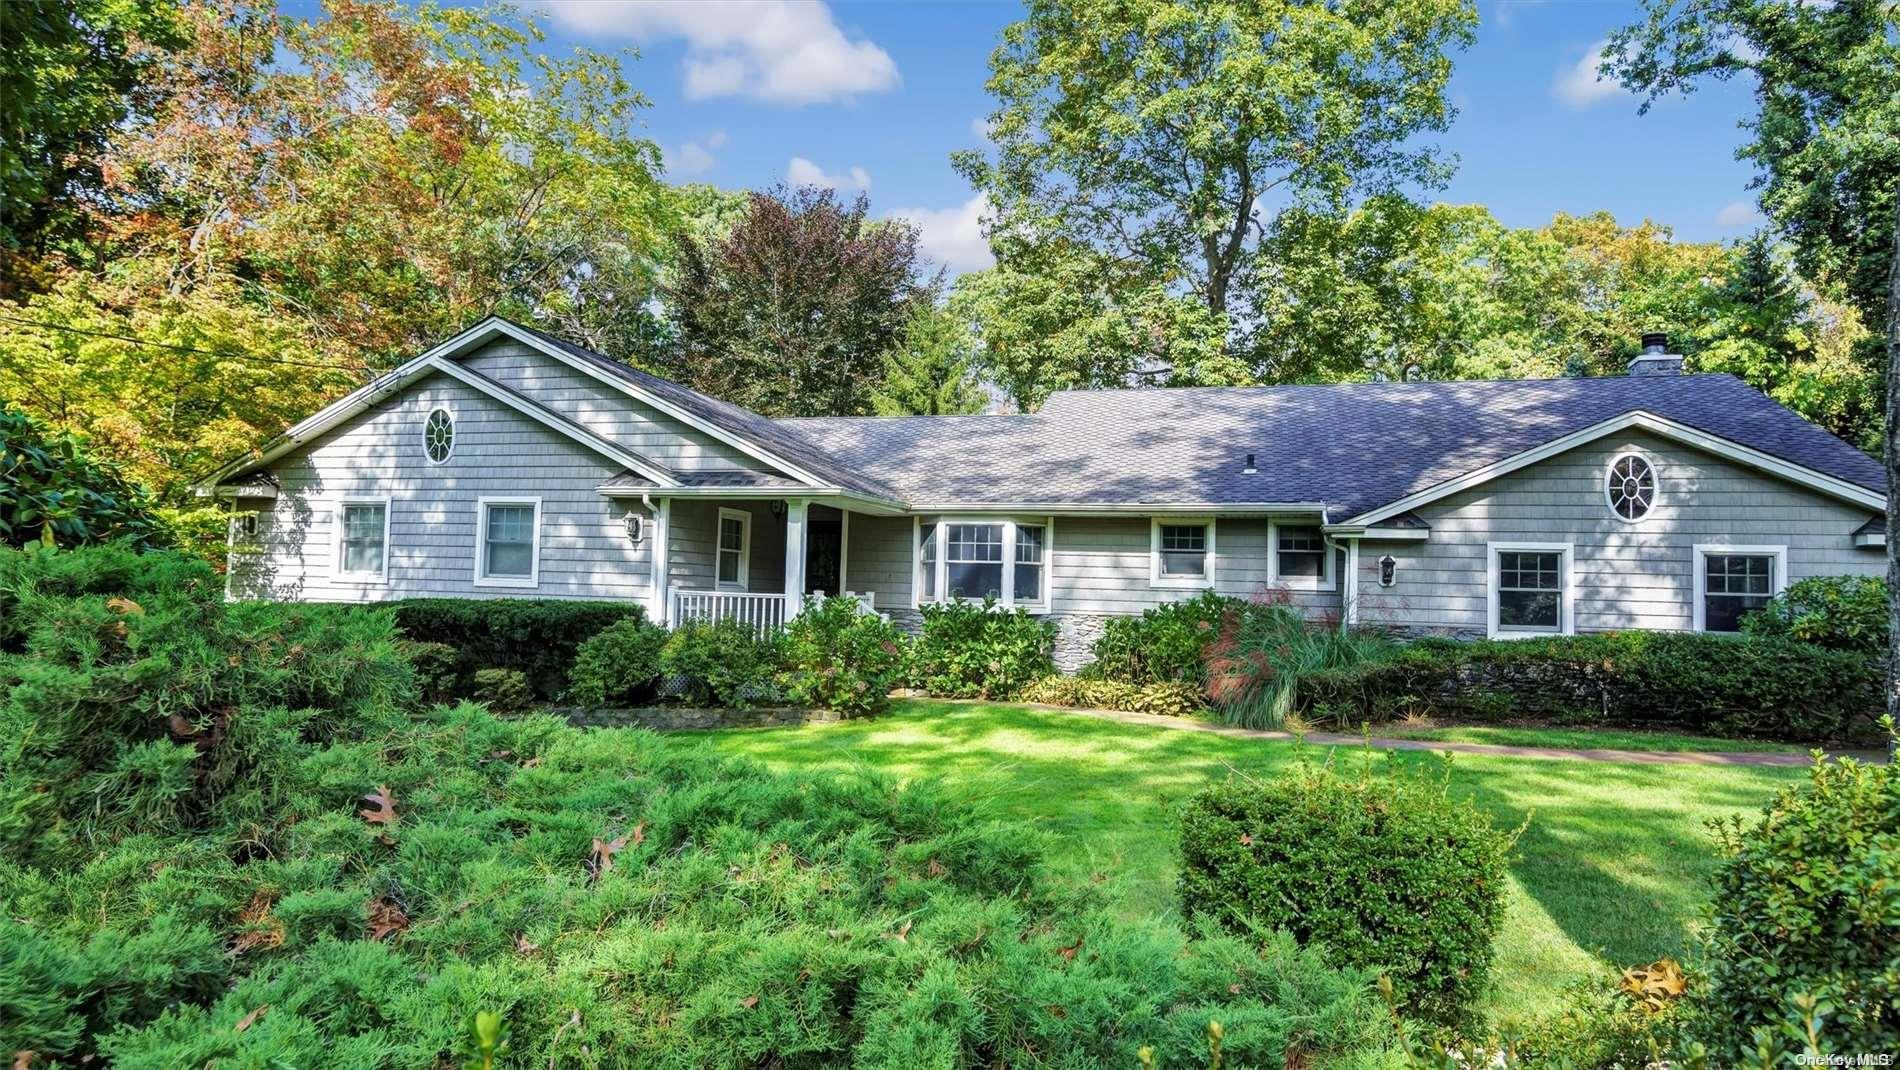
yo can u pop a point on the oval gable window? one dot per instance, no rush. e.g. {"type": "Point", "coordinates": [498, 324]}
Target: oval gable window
{"type": "Point", "coordinates": [438, 436]}
{"type": "Point", "coordinates": [1631, 487]}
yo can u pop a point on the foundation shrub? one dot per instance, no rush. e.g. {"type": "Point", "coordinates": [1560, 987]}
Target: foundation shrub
{"type": "Point", "coordinates": [1166, 643]}
{"type": "Point", "coordinates": [350, 885]}
{"type": "Point", "coordinates": [1264, 650]}
{"type": "Point", "coordinates": [501, 690]}
{"type": "Point", "coordinates": [1724, 685]}
{"type": "Point", "coordinates": [1171, 699]}
{"type": "Point", "coordinates": [721, 663]}
{"type": "Point", "coordinates": [1837, 612]}
{"type": "Point", "coordinates": [978, 650]}
{"type": "Point", "coordinates": [1387, 870]}
{"type": "Point", "coordinates": [841, 659]}
{"type": "Point", "coordinates": [1807, 904]}
{"type": "Point", "coordinates": [618, 665]}
{"type": "Point", "coordinates": [539, 637]}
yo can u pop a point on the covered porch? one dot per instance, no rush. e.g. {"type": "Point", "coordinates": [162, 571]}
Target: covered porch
{"type": "Point", "coordinates": [750, 559]}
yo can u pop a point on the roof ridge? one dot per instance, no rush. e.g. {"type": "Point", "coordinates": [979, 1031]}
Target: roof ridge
{"type": "Point", "coordinates": [1158, 390]}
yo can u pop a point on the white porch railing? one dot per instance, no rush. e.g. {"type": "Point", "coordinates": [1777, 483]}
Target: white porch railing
{"type": "Point", "coordinates": [764, 613]}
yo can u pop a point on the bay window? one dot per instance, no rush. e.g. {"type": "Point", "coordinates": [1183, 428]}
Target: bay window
{"type": "Point", "coordinates": [972, 559]}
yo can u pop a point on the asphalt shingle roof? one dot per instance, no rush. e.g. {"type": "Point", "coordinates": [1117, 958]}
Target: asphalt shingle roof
{"type": "Point", "coordinates": [1354, 447]}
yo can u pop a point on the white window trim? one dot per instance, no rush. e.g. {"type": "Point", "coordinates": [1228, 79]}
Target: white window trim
{"type": "Point", "coordinates": [453, 434]}
{"type": "Point", "coordinates": [745, 549]}
{"type": "Point", "coordinates": [1009, 523]}
{"type": "Point", "coordinates": [533, 578]}
{"type": "Point", "coordinates": [1778, 584]}
{"type": "Point", "coordinates": [1328, 577]}
{"type": "Point", "coordinates": [1566, 603]}
{"type": "Point", "coordinates": [364, 579]}
{"type": "Point", "coordinates": [1655, 476]}
{"type": "Point", "coordinates": [1155, 578]}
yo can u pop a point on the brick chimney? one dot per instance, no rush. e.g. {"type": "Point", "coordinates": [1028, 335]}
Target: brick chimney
{"type": "Point", "coordinates": [1655, 359]}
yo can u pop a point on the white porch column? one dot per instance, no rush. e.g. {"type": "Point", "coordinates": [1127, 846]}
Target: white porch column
{"type": "Point", "coordinates": [1349, 586]}
{"type": "Point", "coordinates": [660, 559]}
{"type": "Point", "coordinates": [794, 556]}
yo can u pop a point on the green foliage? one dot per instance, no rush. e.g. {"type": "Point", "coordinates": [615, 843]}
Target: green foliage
{"type": "Point", "coordinates": [539, 636]}
{"type": "Point", "coordinates": [722, 663]}
{"type": "Point", "coordinates": [1805, 904]}
{"type": "Point", "coordinates": [1173, 699]}
{"type": "Point", "coordinates": [930, 372]}
{"type": "Point", "coordinates": [1166, 643]}
{"type": "Point", "coordinates": [501, 690]}
{"type": "Point", "coordinates": [351, 884]}
{"type": "Point", "coordinates": [53, 492]}
{"type": "Point", "coordinates": [436, 668]}
{"type": "Point", "coordinates": [1387, 871]}
{"type": "Point", "coordinates": [1264, 650]}
{"type": "Point", "coordinates": [1743, 686]}
{"type": "Point", "coordinates": [842, 659]}
{"type": "Point", "coordinates": [618, 665]}
{"type": "Point", "coordinates": [1838, 612]}
{"type": "Point", "coordinates": [1604, 1026]}
{"type": "Point", "coordinates": [977, 650]}
{"type": "Point", "coordinates": [792, 312]}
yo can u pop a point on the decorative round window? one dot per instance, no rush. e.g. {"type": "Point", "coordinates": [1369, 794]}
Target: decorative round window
{"type": "Point", "coordinates": [1631, 487]}
{"type": "Point", "coordinates": [438, 436]}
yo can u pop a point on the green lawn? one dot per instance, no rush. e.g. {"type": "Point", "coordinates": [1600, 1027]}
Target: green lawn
{"type": "Point", "coordinates": [1613, 862]}
{"type": "Point", "coordinates": [1581, 738]}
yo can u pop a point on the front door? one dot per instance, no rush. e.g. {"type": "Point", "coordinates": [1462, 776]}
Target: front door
{"type": "Point", "coordinates": [824, 551]}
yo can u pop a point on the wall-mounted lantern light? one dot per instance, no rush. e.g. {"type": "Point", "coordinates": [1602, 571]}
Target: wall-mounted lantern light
{"type": "Point", "coordinates": [635, 524]}
{"type": "Point", "coordinates": [1388, 571]}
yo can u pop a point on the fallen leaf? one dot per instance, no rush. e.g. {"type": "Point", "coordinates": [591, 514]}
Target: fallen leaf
{"type": "Point", "coordinates": [1656, 985]}
{"type": "Point", "coordinates": [526, 946]}
{"type": "Point", "coordinates": [1246, 840]}
{"type": "Point", "coordinates": [1068, 953]}
{"type": "Point", "coordinates": [749, 1002]}
{"type": "Point", "coordinates": [902, 935]}
{"type": "Point", "coordinates": [259, 929]}
{"type": "Point", "coordinates": [1233, 990]}
{"type": "Point", "coordinates": [935, 868]}
{"type": "Point", "coordinates": [600, 859]}
{"type": "Point", "coordinates": [386, 919]}
{"type": "Point", "coordinates": [382, 808]}
{"type": "Point", "coordinates": [125, 607]}
{"type": "Point", "coordinates": [250, 1019]}
{"type": "Point", "coordinates": [24, 1058]}
{"type": "Point", "coordinates": [639, 834]}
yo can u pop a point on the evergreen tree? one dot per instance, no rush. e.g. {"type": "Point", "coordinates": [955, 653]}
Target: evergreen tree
{"type": "Point", "coordinates": [930, 372]}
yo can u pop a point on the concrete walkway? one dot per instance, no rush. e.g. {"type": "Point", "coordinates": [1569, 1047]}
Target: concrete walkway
{"type": "Point", "coordinates": [1334, 739]}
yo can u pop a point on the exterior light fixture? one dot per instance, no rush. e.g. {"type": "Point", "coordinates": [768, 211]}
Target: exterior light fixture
{"type": "Point", "coordinates": [635, 525]}
{"type": "Point", "coordinates": [1388, 571]}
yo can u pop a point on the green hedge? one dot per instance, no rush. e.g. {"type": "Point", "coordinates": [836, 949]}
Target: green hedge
{"type": "Point", "coordinates": [1743, 686]}
{"type": "Point", "coordinates": [1387, 872]}
{"type": "Point", "coordinates": [1166, 644]}
{"type": "Point", "coordinates": [967, 650]}
{"type": "Point", "coordinates": [1839, 612]}
{"type": "Point", "coordinates": [537, 636]}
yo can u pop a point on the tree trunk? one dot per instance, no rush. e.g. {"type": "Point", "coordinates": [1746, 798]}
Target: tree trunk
{"type": "Point", "coordinates": [1893, 479]}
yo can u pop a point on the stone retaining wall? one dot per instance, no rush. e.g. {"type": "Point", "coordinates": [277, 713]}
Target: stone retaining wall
{"type": "Point", "coordinates": [678, 718]}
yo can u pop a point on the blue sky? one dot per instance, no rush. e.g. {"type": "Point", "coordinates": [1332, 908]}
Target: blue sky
{"type": "Point", "coordinates": [877, 95]}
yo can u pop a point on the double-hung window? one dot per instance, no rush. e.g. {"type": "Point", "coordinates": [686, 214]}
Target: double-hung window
{"type": "Point", "coordinates": [980, 558]}
{"type": "Point", "coordinates": [735, 549]}
{"type": "Point", "coordinates": [1733, 581]}
{"type": "Point", "coordinates": [1181, 552]}
{"type": "Point", "coordinates": [1301, 557]}
{"type": "Point", "coordinates": [363, 540]}
{"type": "Point", "coordinates": [1530, 590]}
{"type": "Point", "coordinates": [508, 542]}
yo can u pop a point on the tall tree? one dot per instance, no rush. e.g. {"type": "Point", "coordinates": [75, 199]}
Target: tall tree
{"type": "Point", "coordinates": [1157, 134]}
{"type": "Point", "coordinates": [792, 311]}
{"type": "Point", "coordinates": [931, 370]}
{"type": "Point", "coordinates": [70, 72]}
{"type": "Point", "coordinates": [1826, 140]}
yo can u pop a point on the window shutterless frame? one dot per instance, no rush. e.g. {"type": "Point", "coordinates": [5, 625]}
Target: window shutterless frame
{"type": "Point", "coordinates": [483, 507]}
{"type": "Point", "coordinates": [740, 555]}
{"type": "Point", "coordinates": [1631, 487]}
{"type": "Point", "coordinates": [1299, 534]}
{"type": "Point", "coordinates": [356, 507]}
{"type": "Point", "coordinates": [1565, 589]}
{"type": "Point", "coordinates": [1777, 560]}
{"type": "Point", "coordinates": [1165, 536]}
{"type": "Point", "coordinates": [945, 549]}
{"type": "Point", "coordinates": [438, 435]}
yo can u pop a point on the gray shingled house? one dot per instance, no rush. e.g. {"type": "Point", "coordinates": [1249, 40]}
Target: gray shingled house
{"type": "Point", "coordinates": [507, 463]}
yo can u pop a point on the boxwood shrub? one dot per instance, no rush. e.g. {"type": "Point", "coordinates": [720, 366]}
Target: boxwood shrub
{"type": "Point", "coordinates": [971, 650]}
{"type": "Point", "coordinates": [1807, 903]}
{"type": "Point", "coordinates": [537, 636]}
{"type": "Point", "coordinates": [1741, 686]}
{"type": "Point", "coordinates": [1387, 871]}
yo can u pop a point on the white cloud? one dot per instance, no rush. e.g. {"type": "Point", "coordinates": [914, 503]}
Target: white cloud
{"type": "Point", "coordinates": [695, 157]}
{"type": "Point", "coordinates": [953, 237]}
{"type": "Point", "coordinates": [802, 172]}
{"type": "Point", "coordinates": [1578, 84]}
{"type": "Point", "coordinates": [1739, 215]}
{"type": "Point", "coordinates": [778, 50]}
